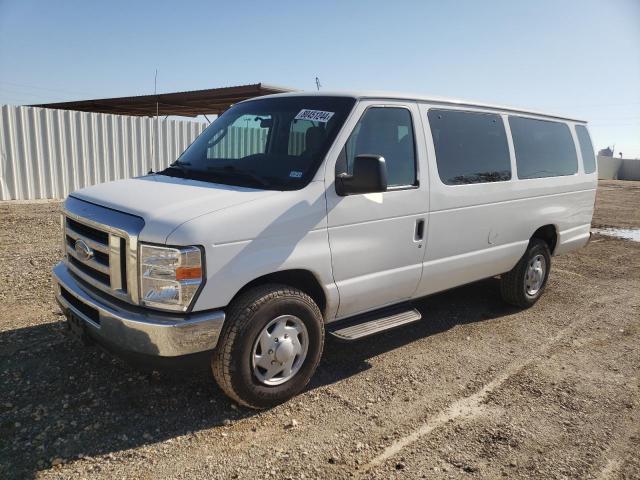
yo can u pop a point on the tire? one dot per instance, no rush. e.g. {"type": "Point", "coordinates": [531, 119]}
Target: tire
{"type": "Point", "coordinates": [515, 287]}
{"type": "Point", "coordinates": [248, 317]}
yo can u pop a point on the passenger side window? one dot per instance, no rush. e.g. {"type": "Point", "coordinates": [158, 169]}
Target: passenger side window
{"type": "Point", "coordinates": [586, 148]}
{"type": "Point", "coordinates": [471, 147]}
{"type": "Point", "coordinates": [543, 148]}
{"type": "Point", "coordinates": [385, 131]}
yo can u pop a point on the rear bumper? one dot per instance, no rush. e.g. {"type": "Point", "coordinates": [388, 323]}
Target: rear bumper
{"type": "Point", "coordinates": [133, 329]}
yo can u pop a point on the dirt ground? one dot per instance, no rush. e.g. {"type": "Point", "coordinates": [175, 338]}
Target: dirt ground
{"type": "Point", "coordinates": [476, 390]}
{"type": "Point", "coordinates": [618, 204]}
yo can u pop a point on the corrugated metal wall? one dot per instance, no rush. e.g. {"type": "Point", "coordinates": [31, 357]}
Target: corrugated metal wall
{"type": "Point", "coordinates": [630, 170]}
{"type": "Point", "coordinates": [48, 153]}
{"type": "Point", "coordinates": [608, 167]}
{"type": "Point", "coordinates": [618, 168]}
{"type": "Point", "coordinates": [241, 141]}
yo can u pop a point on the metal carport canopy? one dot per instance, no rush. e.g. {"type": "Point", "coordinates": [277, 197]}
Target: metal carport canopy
{"type": "Point", "coordinates": [187, 104]}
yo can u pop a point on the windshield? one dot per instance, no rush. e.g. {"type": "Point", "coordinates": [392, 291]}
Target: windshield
{"type": "Point", "coordinates": [272, 143]}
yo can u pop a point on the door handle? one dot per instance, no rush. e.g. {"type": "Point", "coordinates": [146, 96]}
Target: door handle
{"type": "Point", "coordinates": [419, 231]}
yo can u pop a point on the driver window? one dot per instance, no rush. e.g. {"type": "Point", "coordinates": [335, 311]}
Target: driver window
{"type": "Point", "coordinates": [244, 137]}
{"type": "Point", "coordinates": [385, 131]}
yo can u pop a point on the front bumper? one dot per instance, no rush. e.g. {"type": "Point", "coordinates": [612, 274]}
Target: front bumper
{"type": "Point", "coordinates": [134, 329]}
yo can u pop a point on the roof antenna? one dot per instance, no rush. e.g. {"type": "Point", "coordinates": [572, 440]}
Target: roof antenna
{"type": "Point", "coordinates": [318, 83]}
{"type": "Point", "coordinates": [154, 131]}
{"type": "Point", "coordinates": [155, 91]}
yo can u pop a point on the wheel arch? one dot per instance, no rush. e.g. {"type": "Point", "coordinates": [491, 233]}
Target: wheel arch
{"type": "Point", "coordinates": [301, 279]}
{"type": "Point", "coordinates": [549, 234]}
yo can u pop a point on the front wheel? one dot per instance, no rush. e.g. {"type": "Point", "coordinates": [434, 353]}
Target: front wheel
{"type": "Point", "coordinates": [269, 347]}
{"type": "Point", "coordinates": [524, 284]}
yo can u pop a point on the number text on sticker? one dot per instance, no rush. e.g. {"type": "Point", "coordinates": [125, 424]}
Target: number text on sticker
{"type": "Point", "coordinates": [314, 115]}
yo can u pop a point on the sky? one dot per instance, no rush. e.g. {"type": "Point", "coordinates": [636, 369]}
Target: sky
{"type": "Point", "coordinates": [575, 57]}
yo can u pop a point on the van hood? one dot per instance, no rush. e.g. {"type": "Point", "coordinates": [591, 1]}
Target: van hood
{"type": "Point", "coordinates": [167, 202]}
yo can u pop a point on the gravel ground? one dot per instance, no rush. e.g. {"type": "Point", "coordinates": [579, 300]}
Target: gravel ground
{"type": "Point", "coordinates": [476, 390]}
{"type": "Point", "coordinates": [618, 204]}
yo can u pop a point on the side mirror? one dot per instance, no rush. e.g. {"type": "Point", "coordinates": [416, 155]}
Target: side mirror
{"type": "Point", "coordinates": [369, 176]}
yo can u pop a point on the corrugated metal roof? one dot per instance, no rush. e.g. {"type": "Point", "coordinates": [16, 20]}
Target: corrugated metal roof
{"type": "Point", "coordinates": [217, 100]}
{"type": "Point", "coordinates": [189, 103]}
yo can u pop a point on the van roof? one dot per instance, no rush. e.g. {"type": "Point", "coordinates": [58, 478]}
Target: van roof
{"type": "Point", "coordinates": [381, 95]}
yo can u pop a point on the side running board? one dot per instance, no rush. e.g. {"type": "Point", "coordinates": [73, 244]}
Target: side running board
{"type": "Point", "coordinates": [372, 323]}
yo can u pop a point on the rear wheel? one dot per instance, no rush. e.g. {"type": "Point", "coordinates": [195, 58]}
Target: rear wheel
{"type": "Point", "coordinates": [270, 346]}
{"type": "Point", "coordinates": [524, 284]}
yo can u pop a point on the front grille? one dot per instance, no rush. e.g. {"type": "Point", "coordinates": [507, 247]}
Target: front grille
{"type": "Point", "coordinates": [89, 232]}
{"type": "Point", "coordinates": [100, 257]}
{"type": "Point", "coordinates": [101, 247]}
{"type": "Point", "coordinates": [106, 266]}
{"type": "Point", "coordinates": [95, 274]}
{"type": "Point", "coordinates": [123, 265]}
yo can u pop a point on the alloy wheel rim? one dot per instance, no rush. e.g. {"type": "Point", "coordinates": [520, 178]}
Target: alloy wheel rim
{"type": "Point", "coordinates": [535, 274]}
{"type": "Point", "coordinates": [280, 350]}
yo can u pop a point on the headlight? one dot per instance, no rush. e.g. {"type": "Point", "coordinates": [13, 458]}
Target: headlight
{"type": "Point", "coordinates": [169, 277]}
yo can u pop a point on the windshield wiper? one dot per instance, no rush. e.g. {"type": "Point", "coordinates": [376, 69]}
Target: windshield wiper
{"type": "Point", "coordinates": [177, 165]}
{"type": "Point", "coordinates": [230, 170]}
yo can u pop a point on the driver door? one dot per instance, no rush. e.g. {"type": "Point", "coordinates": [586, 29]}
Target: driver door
{"type": "Point", "coordinates": [377, 240]}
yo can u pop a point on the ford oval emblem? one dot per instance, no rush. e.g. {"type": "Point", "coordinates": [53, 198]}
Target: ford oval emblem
{"type": "Point", "coordinates": [83, 250]}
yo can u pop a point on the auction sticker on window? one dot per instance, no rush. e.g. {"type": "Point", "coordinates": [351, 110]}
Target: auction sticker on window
{"type": "Point", "coordinates": [314, 115]}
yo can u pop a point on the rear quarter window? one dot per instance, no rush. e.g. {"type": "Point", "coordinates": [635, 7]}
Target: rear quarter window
{"type": "Point", "coordinates": [543, 148]}
{"type": "Point", "coordinates": [586, 149]}
{"type": "Point", "coordinates": [471, 147]}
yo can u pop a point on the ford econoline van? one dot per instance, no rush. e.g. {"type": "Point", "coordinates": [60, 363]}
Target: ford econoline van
{"type": "Point", "coordinates": [297, 216]}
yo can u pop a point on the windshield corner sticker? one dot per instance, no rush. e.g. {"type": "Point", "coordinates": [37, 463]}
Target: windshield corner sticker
{"type": "Point", "coordinates": [295, 174]}
{"type": "Point", "coordinates": [314, 115]}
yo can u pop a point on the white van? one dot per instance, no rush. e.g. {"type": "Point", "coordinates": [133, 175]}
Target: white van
{"type": "Point", "coordinates": [293, 216]}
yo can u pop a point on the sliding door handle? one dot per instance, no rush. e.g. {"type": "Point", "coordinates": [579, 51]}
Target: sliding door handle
{"type": "Point", "coordinates": [419, 230]}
